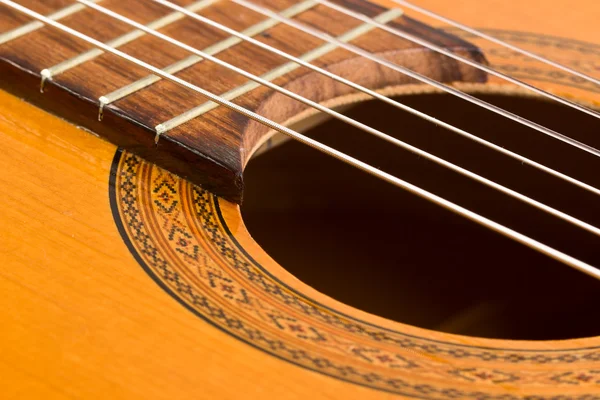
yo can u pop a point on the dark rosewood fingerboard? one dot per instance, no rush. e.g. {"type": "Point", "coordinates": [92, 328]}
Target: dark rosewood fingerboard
{"type": "Point", "coordinates": [211, 147]}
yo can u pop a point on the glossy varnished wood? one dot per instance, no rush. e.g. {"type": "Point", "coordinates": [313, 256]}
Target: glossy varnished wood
{"type": "Point", "coordinates": [212, 149]}
{"type": "Point", "coordinates": [82, 319]}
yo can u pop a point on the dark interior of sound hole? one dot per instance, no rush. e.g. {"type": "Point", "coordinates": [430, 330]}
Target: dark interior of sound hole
{"type": "Point", "coordinates": [385, 251]}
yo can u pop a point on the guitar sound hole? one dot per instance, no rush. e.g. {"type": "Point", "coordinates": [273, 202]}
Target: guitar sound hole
{"type": "Point", "coordinates": [385, 251]}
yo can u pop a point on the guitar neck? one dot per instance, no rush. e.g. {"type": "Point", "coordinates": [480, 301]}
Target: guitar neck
{"type": "Point", "coordinates": [199, 140]}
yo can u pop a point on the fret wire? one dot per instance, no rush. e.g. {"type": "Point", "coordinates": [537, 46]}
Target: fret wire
{"type": "Point", "coordinates": [35, 25]}
{"type": "Point", "coordinates": [448, 53]}
{"type": "Point", "coordinates": [525, 240]}
{"type": "Point", "coordinates": [193, 59]}
{"type": "Point", "coordinates": [532, 202]}
{"type": "Point", "coordinates": [49, 73]}
{"type": "Point", "coordinates": [276, 73]}
{"type": "Point", "coordinates": [497, 41]}
{"type": "Point", "coordinates": [431, 82]}
{"type": "Point", "coordinates": [385, 99]}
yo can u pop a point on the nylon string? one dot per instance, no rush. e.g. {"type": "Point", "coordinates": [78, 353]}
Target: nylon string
{"type": "Point", "coordinates": [571, 261]}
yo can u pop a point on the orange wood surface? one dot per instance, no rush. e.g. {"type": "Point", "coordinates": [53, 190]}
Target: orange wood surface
{"type": "Point", "coordinates": [81, 319]}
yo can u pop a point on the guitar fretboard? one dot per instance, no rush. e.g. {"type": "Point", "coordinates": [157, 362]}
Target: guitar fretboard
{"type": "Point", "coordinates": [197, 138]}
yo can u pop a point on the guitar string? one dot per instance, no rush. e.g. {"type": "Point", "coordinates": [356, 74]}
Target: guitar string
{"type": "Point", "coordinates": [534, 203]}
{"type": "Point", "coordinates": [213, 49]}
{"type": "Point", "coordinates": [35, 25]}
{"type": "Point", "coordinates": [119, 41]}
{"type": "Point", "coordinates": [525, 240]}
{"type": "Point", "coordinates": [431, 82]}
{"type": "Point", "coordinates": [160, 129]}
{"type": "Point", "coordinates": [500, 42]}
{"type": "Point", "coordinates": [381, 97]}
{"type": "Point", "coordinates": [448, 53]}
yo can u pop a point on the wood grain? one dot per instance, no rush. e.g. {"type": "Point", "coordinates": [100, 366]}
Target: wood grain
{"type": "Point", "coordinates": [212, 149]}
{"type": "Point", "coordinates": [81, 319]}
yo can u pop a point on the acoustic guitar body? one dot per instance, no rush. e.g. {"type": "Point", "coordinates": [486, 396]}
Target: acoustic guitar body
{"type": "Point", "coordinates": [126, 266]}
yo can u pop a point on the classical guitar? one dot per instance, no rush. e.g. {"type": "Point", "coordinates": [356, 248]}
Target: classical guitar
{"type": "Point", "coordinates": [224, 199]}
